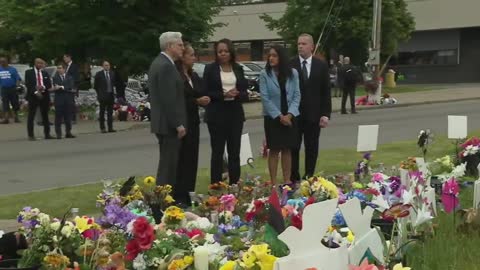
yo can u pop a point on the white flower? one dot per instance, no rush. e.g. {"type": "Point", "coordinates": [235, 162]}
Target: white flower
{"type": "Point", "coordinates": [471, 150]}
{"type": "Point", "coordinates": [156, 262]}
{"type": "Point", "coordinates": [423, 216]}
{"type": "Point", "coordinates": [209, 238]}
{"type": "Point", "coordinates": [1, 233]}
{"type": "Point", "coordinates": [459, 171]}
{"type": "Point", "coordinates": [44, 219]}
{"type": "Point", "coordinates": [130, 226]}
{"type": "Point", "coordinates": [67, 231]}
{"type": "Point", "coordinates": [55, 226]}
{"type": "Point", "coordinates": [139, 263]}
{"type": "Point", "coordinates": [201, 223]}
{"type": "Point", "coordinates": [35, 212]}
{"type": "Point", "coordinates": [55, 239]}
{"type": "Point", "coordinates": [227, 216]}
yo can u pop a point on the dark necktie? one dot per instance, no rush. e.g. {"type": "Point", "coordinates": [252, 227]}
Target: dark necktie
{"type": "Point", "coordinates": [304, 71]}
{"type": "Point", "coordinates": [63, 78]}
{"type": "Point", "coordinates": [109, 83]}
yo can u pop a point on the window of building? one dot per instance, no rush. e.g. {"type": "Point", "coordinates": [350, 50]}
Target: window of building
{"type": "Point", "coordinates": [434, 57]}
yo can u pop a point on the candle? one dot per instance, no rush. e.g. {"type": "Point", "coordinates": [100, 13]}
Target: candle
{"type": "Point", "coordinates": [201, 258]}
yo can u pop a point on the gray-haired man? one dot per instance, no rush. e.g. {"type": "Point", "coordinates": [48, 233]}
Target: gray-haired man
{"type": "Point", "coordinates": [168, 115]}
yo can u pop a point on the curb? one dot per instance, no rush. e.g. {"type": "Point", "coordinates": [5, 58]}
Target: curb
{"type": "Point", "coordinates": [381, 107]}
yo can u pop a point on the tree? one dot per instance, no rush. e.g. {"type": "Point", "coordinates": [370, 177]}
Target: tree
{"type": "Point", "coordinates": [123, 31]}
{"type": "Point", "coordinates": [350, 26]}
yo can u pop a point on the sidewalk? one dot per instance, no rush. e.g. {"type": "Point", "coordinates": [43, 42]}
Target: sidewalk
{"type": "Point", "coordinates": [14, 132]}
{"type": "Point", "coordinates": [462, 92]}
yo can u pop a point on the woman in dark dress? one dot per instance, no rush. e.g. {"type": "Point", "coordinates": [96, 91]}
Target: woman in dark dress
{"type": "Point", "coordinates": [188, 156]}
{"type": "Point", "coordinates": [280, 92]}
{"type": "Point", "coordinates": [226, 86]}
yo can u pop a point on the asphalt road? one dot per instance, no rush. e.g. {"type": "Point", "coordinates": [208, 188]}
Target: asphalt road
{"type": "Point", "coordinates": [26, 166]}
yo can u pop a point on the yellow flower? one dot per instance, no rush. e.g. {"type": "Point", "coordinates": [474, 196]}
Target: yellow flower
{"type": "Point", "coordinates": [330, 187]}
{"type": "Point", "coordinates": [149, 181]}
{"type": "Point", "coordinates": [267, 262]}
{"type": "Point", "coordinates": [81, 223]}
{"type": "Point", "coordinates": [177, 265]}
{"type": "Point", "coordinates": [305, 188]}
{"type": "Point", "coordinates": [169, 199]}
{"type": "Point", "coordinates": [168, 188]}
{"type": "Point", "coordinates": [229, 265]}
{"type": "Point", "coordinates": [400, 267]}
{"type": "Point", "coordinates": [248, 260]}
{"type": "Point", "coordinates": [350, 237]}
{"type": "Point", "coordinates": [175, 213]}
{"type": "Point", "coordinates": [260, 251]}
{"type": "Point", "coordinates": [331, 229]}
{"type": "Point", "coordinates": [188, 260]}
{"type": "Point", "coordinates": [56, 260]}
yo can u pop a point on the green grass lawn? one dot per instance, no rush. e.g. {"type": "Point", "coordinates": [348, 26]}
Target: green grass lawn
{"type": "Point", "coordinates": [448, 249]}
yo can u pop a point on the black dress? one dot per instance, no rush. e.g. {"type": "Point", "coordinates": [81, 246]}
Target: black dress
{"type": "Point", "coordinates": [279, 136]}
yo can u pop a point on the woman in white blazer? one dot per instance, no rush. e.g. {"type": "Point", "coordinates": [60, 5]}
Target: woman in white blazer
{"type": "Point", "coordinates": [280, 92]}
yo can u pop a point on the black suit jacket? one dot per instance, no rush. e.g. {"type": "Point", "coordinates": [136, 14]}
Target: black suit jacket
{"type": "Point", "coordinates": [316, 97]}
{"type": "Point", "coordinates": [68, 84]}
{"type": "Point", "coordinates": [220, 110]}
{"type": "Point", "coordinates": [191, 95]}
{"type": "Point", "coordinates": [74, 72]}
{"type": "Point", "coordinates": [31, 84]}
{"type": "Point", "coordinates": [101, 87]}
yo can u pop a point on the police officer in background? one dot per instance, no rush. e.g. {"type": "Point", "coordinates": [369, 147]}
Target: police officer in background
{"type": "Point", "coordinates": [9, 81]}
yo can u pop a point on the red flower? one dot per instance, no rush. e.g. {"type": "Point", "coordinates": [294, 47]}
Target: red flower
{"type": "Point", "coordinates": [195, 232]}
{"type": "Point", "coordinates": [143, 232]}
{"type": "Point", "coordinates": [249, 216]}
{"type": "Point", "coordinates": [133, 249]}
{"type": "Point", "coordinates": [91, 234]}
{"type": "Point", "coordinates": [371, 191]}
{"type": "Point", "coordinates": [397, 211]}
{"type": "Point", "coordinates": [297, 221]}
{"type": "Point", "coordinates": [310, 200]}
{"type": "Point", "coordinates": [258, 205]}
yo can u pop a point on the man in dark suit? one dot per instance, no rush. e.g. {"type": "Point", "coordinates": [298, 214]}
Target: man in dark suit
{"type": "Point", "coordinates": [73, 71]}
{"type": "Point", "coordinates": [63, 86]}
{"type": "Point", "coordinates": [104, 85]}
{"type": "Point", "coordinates": [38, 84]}
{"type": "Point", "coordinates": [168, 112]}
{"type": "Point", "coordinates": [315, 104]}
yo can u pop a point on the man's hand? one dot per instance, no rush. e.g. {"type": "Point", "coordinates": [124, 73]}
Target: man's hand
{"type": "Point", "coordinates": [324, 122]}
{"type": "Point", "coordinates": [203, 101]}
{"type": "Point", "coordinates": [181, 132]}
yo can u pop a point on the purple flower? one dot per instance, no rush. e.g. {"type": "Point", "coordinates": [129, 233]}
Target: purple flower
{"type": "Point", "coordinates": [116, 215]}
{"type": "Point", "coordinates": [222, 228]}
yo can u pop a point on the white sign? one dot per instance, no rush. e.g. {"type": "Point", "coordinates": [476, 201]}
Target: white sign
{"type": "Point", "coordinates": [367, 138]}
{"type": "Point", "coordinates": [457, 127]}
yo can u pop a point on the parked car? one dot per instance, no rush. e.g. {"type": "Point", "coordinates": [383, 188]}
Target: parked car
{"type": "Point", "coordinates": [251, 75]}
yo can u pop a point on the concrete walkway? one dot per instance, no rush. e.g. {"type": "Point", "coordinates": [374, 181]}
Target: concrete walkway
{"type": "Point", "coordinates": [458, 92]}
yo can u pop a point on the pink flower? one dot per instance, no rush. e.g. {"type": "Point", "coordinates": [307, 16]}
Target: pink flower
{"type": "Point", "coordinates": [363, 266]}
{"type": "Point", "coordinates": [450, 193]}
{"type": "Point", "coordinates": [228, 201]}
{"type": "Point", "coordinates": [377, 177]}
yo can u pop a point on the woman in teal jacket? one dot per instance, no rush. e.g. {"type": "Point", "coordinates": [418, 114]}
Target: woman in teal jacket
{"type": "Point", "coordinates": [280, 92]}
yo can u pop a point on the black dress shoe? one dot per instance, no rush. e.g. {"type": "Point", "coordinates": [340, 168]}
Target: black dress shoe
{"type": "Point", "coordinates": [103, 131]}
{"type": "Point", "coordinates": [32, 138]}
{"type": "Point", "coordinates": [112, 131]}
{"type": "Point", "coordinates": [344, 113]}
{"type": "Point", "coordinates": [70, 136]}
{"type": "Point", "coordinates": [59, 137]}
{"type": "Point", "coordinates": [48, 137]}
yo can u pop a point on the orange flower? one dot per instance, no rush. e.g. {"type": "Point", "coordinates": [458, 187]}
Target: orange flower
{"type": "Point", "coordinates": [212, 202]}
{"type": "Point", "coordinates": [397, 211]}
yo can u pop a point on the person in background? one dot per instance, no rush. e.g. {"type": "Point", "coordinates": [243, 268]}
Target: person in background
{"type": "Point", "coordinates": [38, 84]}
{"type": "Point", "coordinates": [72, 70]}
{"type": "Point", "coordinates": [333, 71]}
{"type": "Point", "coordinates": [188, 154]}
{"type": "Point", "coordinates": [63, 87]}
{"type": "Point", "coordinates": [315, 105]}
{"type": "Point", "coordinates": [167, 101]}
{"type": "Point", "coordinates": [226, 86]}
{"type": "Point", "coordinates": [350, 77]}
{"type": "Point", "coordinates": [104, 85]}
{"type": "Point", "coordinates": [9, 81]}
{"type": "Point", "coordinates": [280, 92]}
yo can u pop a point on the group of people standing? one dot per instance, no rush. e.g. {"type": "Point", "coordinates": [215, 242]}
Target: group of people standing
{"type": "Point", "coordinates": [296, 99]}
{"type": "Point", "coordinates": [65, 87]}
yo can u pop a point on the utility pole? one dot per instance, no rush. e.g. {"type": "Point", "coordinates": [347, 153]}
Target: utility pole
{"type": "Point", "coordinates": [374, 58]}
